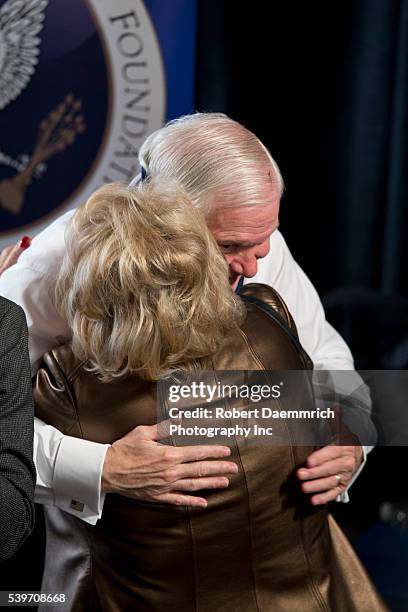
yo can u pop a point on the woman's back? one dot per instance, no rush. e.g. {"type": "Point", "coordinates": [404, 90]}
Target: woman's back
{"type": "Point", "coordinates": [259, 545]}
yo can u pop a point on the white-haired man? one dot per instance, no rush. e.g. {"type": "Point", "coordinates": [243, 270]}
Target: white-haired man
{"type": "Point", "coordinates": [231, 176]}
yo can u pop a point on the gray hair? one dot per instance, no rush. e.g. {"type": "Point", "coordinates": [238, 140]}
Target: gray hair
{"type": "Point", "coordinates": [212, 156]}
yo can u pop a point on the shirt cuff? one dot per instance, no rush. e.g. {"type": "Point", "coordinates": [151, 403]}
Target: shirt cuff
{"type": "Point", "coordinates": [77, 478]}
{"type": "Point", "coordinates": [344, 496]}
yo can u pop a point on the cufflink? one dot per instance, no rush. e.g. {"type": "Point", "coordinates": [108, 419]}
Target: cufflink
{"type": "Point", "coordinates": [77, 505]}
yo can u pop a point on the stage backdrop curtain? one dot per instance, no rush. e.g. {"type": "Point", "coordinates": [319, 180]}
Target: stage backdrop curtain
{"type": "Point", "coordinates": [325, 86]}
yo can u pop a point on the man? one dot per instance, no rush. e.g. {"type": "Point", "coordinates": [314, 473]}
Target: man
{"type": "Point", "coordinates": [230, 175]}
{"type": "Point", "coordinates": [17, 474]}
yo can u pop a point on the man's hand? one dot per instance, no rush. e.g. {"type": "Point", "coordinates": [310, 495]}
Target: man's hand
{"type": "Point", "coordinates": [328, 472]}
{"type": "Point", "coordinates": [139, 466]}
{"type": "Point", "coordinates": [10, 254]}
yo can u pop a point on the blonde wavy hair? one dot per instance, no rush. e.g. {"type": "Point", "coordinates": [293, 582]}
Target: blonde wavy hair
{"type": "Point", "coordinates": [215, 159]}
{"type": "Point", "coordinates": [143, 285]}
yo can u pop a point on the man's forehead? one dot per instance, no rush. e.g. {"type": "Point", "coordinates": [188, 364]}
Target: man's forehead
{"type": "Point", "coordinates": [245, 224]}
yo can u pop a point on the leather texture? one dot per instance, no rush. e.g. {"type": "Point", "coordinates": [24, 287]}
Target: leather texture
{"type": "Point", "coordinates": [258, 546]}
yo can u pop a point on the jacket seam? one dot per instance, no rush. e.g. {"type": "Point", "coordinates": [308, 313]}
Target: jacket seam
{"type": "Point", "coordinates": [71, 397]}
{"type": "Point", "coordinates": [313, 587]}
{"type": "Point", "coordinates": [193, 552]}
{"type": "Point", "coordinates": [252, 351]}
{"type": "Point", "coordinates": [251, 541]}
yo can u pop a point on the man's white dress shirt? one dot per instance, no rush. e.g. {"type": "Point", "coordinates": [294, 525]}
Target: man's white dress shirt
{"type": "Point", "coordinates": [69, 469]}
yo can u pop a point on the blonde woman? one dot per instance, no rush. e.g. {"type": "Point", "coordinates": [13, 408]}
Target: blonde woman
{"type": "Point", "coordinates": [145, 290]}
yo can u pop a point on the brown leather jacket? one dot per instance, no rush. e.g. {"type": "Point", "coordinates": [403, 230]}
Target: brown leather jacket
{"type": "Point", "coordinates": [258, 546]}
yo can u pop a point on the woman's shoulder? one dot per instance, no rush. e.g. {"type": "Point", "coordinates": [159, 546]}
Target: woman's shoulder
{"type": "Point", "coordinates": [270, 329]}
{"type": "Point", "coordinates": [260, 293]}
{"type": "Point", "coordinates": [62, 363]}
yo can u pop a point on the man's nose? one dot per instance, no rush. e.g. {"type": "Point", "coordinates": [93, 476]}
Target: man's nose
{"type": "Point", "coordinates": [246, 262]}
{"type": "Point", "coordinates": [245, 265]}
{"type": "Point", "coordinates": [250, 258]}
{"type": "Point", "coordinates": [250, 265]}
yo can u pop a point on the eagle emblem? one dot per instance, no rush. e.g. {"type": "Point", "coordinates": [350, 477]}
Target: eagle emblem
{"type": "Point", "coordinates": [21, 22]}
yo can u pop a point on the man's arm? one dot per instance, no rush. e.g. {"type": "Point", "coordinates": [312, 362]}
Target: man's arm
{"type": "Point", "coordinates": [70, 471]}
{"type": "Point", "coordinates": [137, 465]}
{"type": "Point", "coordinates": [328, 351]}
{"type": "Point", "coordinates": [17, 474]}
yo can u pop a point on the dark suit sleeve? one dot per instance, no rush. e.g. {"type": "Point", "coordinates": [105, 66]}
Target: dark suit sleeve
{"type": "Point", "coordinates": [17, 473]}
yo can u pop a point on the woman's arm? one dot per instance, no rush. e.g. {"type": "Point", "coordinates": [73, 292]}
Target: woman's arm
{"type": "Point", "coordinates": [17, 473]}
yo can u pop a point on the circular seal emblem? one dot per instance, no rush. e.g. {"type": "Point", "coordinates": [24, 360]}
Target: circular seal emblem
{"type": "Point", "coordinates": [81, 86]}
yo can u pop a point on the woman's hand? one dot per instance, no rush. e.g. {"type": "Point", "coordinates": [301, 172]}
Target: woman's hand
{"type": "Point", "coordinates": [10, 254]}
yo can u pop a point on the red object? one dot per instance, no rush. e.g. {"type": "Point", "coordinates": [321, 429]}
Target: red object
{"type": "Point", "coordinates": [25, 242]}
